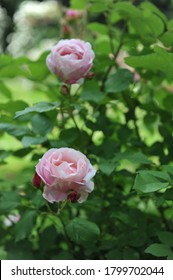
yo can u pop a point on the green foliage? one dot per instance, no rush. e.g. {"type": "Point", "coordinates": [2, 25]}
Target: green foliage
{"type": "Point", "coordinates": [121, 119]}
{"type": "Point", "coordinates": [81, 231]}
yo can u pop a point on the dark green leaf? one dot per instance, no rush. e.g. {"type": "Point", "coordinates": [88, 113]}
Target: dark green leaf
{"type": "Point", "coordinates": [150, 181]}
{"type": "Point", "coordinates": [27, 141]}
{"type": "Point", "coordinates": [94, 95]}
{"type": "Point", "coordinates": [166, 237]}
{"type": "Point", "coordinates": [81, 231]}
{"type": "Point", "coordinates": [15, 130]}
{"type": "Point", "coordinates": [158, 250]}
{"type": "Point", "coordinates": [107, 166]}
{"type": "Point", "coordinates": [39, 108]}
{"type": "Point", "coordinates": [8, 202]}
{"type": "Point", "coordinates": [119, 81]}
{"type": "Point", "coordinates": [133, 157]}
{"type": "Point", "coordinates": [24, 227]}
{"type": "Point", "coordinates": [41, 124]}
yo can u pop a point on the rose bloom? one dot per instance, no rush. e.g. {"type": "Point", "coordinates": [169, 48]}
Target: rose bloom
{"type": "Point", "coordinates": [67, 174]}
{"type": "Point", "coordinates": [71, 60]}
{"type": "Point", "coordinates": [73, 14]}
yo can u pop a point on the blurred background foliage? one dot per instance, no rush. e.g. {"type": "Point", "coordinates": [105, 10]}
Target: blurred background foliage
{"type": "Point", "coordinates": [123, 123]}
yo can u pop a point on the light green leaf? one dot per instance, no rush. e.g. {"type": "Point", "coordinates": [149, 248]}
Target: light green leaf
{"type": "Point", "coordinates": [160, 61]}
{"type": "Point", "coordinates": [5, 90]}
{"type": "Point", "coordinates": [75, 4]}
{"type": "Point", "coordinates": [146, 22]}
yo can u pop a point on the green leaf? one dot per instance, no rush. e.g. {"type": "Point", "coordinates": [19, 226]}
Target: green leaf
{"type": "Point", "coordinates": [160, 61]}
{"type": "Point", "coordinates": [107, 166]}
{"type": "Point", "coordinates": [20, 251]}
{"type": "Point", "coordinates": [8, 202]}
{"type": "Point", "coordinates": [166, 237]}
{"type": "Point", "coordinates": [158, 250]}
{"type": "Point", "coordinates": [97, 27]}
{"type": "Point", "coordinates": [5, 90]}
{"type": "Point", "coordinates": [38, 70]}
{"type": "Point", "coordinates": [3, 253]}
{"type": "Point", "coordinates": [24, 227]}
{"type": "Point", "coordinates": [14, 130]}
{"type": "Point", "coordinates": [81, 231]}
{"type": "Point", "coordinates": [98, 6]}
{"type": "Point", "coordinates": [168, 195]}
{"type": "Point", "coordinates": [114, 255]}
{"type": "Point", "coordinates": [133, 157]}
{"type": "Point", "coordinates": [5, 60]}
{"type": "Point", "coordinates": [69, 135]}
{"type": "Point", "coordinates": [27, 141]}
{"type": "Point", "coordinates": [75, 4]}
{"type": "Point", "coordinates": [148, 181]}
{"type": "Point", "coordinates": [38, 108]}
{"type": "Point", "coordinates": [41, 124]}
{"type": "Point", "coordinates": [119, 81]}
{"type": "Point", "coordinates": [4, 155]}
{"type": "Point", "coordinates": [146, 22]}
{"type": "Point", "coordinates": [94, 95]}
{"type": "Point", "coordinates": [12, 106]}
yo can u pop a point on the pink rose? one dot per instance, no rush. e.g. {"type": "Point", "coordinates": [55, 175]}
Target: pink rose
{"type": "Point", "coordinates": [73, 14]}
{"type": "Point", "coordinates": [71, 60]}
{"type": "Point", "coordinates": [67, 174]}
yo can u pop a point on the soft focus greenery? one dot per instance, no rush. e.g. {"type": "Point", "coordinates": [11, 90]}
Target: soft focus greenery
{"type": "Point", "coordinates": [121, 119]}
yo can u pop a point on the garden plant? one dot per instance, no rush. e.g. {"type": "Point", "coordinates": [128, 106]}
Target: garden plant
{"type": "Point", "coordinates": [86, 141]}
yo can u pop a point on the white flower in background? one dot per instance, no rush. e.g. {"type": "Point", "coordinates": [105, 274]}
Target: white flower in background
{"type": "Point", "coordinates": [11, 219]}
{"type": "Point", "coordinates": [32, 15]}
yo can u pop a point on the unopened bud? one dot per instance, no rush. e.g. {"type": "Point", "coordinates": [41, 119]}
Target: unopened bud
{"type": "Point", "coordinates": [64, 89]}
{"type": "Point", "coordinates": [66, 29]}
{"type": "Point", "coordinates": [37, 182]}
{"type": "Point", "coordinates": [90, 75]}
{"type": "Point", "coordinates": [73, 196]}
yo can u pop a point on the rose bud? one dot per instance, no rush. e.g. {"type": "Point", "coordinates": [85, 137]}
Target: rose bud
{"type": "Point", "coordinates": [90, 75]}
{"type": "Point", "coordinates": [66, 30]}
{"type": "Point", "coordinates": [73, 196]}
{"type": "Point", "coordinates": [37, 182]}
{"type": "Point", "coordinates": [71, 60]}
{"type": "Point", "coordinates": [63, 171]}
{"type": "Point", "coordinates": [64, 89]}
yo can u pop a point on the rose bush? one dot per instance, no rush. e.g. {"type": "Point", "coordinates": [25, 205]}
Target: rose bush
{"type": "Point", "coordinates": [71, 60]}
{"type": "Point", "coordinates": [66, 173]}
{"type": "Point", "coordinates": [123, 124]}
